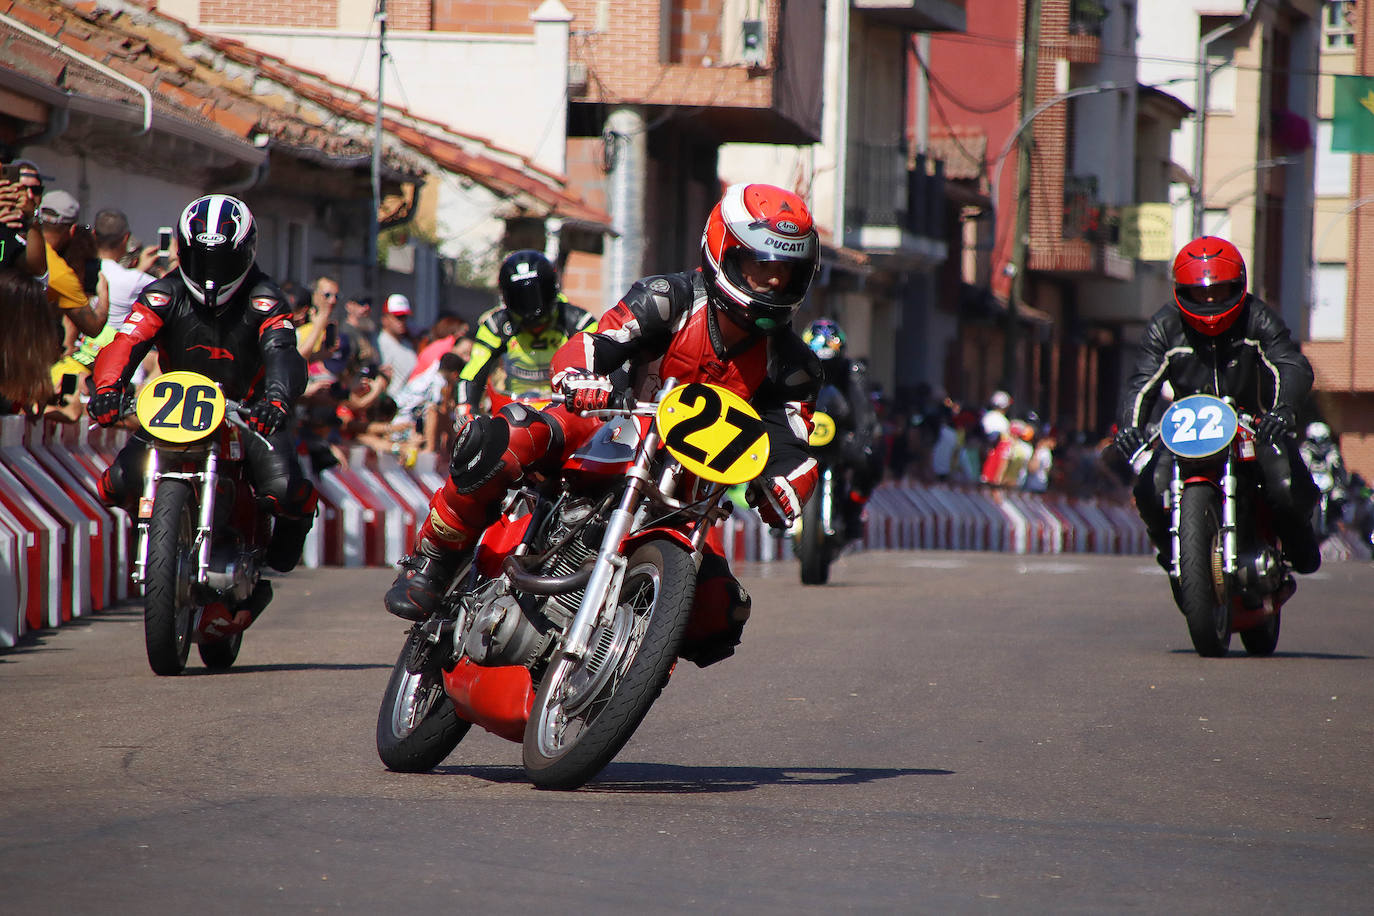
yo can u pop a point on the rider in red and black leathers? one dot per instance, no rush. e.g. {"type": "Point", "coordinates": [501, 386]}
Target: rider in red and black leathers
{"type": "Point", "coordinates": [1217, 338]}
{"type": "Point", "coordinates": [245, 341]}
{"type": "Point", "coordinates": [697, 326]}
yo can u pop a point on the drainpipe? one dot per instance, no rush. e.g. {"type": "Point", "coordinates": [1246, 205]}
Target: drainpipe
{"type": "Point", "coordinates": [93, 64]}
{"type": "Point", "coordinates": [1204, 79]}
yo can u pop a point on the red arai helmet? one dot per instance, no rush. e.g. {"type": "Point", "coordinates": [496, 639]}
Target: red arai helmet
{"type": "Point", "coordinates": [1209, 284]}
{"type": "Point", "coordinates": [759, 224]}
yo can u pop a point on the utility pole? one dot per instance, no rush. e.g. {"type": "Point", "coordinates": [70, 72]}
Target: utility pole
{"type": "Point", "coordinates": [374, 272]}
{"type": "Point", "coordinates": [1030, 63]}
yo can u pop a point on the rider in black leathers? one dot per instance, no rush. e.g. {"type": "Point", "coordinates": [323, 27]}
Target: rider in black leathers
{"type": "Point", "coordinates": [220, 316]}
{"type": "Point", "coordinates": [1217, 338]}
{"type": "Point", "coordinates": [846, 398]}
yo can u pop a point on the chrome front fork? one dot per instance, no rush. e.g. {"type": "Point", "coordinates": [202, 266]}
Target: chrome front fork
{"type": "Point", "coordinates": [204, 482]}
{"type": "Point", "coordinates": [1228, 517]}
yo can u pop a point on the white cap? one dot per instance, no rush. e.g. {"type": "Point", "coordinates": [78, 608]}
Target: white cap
{"type": "Point", "coordinates": [396, 304]}
{"type": "Point", "coordinates": [1000, 400]}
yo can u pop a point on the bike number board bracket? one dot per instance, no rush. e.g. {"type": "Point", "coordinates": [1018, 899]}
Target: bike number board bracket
{"type": "Point", "coordinates": [180, 407]}
{"type": "Point", "coordinates": [1198, 426]}
{"type": "Point", "coordinates": [714, 432]}
{"type": "Point", "coordinates": [822, 428]}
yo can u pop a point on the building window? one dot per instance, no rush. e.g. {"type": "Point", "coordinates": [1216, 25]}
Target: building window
{"type": "Point", "coordinates": [1327, 320]}
{"type": "Point", "coordinates": [1338, 24]}
{"type": "Point", "coordinates": [1333, 169]}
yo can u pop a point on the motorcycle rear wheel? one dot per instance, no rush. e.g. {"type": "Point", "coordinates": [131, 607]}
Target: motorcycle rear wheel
{"type": "Point", "coordinates": [417, 726]}
{"type": "Point", "coordinates": [1263, 639]}
{"type": "Point", "coordinates": [218, 656]}
{"type": "Point", "coordinates": [1202, 592]}
{"type": "Point", "coordinates": [813, 547]}
{"type": "Point", "coordinates": [587, 709]}
{"type": "Point", "coordinates": [169, 609]}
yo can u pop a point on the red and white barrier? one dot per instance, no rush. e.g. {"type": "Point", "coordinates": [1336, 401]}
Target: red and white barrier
{"type": "Point", "coordinates": [64, 554]}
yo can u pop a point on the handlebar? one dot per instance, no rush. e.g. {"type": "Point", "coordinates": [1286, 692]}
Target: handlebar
{"type": "Point", "coordinates": [621, 402]}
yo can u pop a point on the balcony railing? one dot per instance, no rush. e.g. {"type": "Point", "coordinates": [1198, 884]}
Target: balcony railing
{"type": "Point", "coordinates": [1085, 216]}
{"type": "Point", "coordinates": [885, 192]}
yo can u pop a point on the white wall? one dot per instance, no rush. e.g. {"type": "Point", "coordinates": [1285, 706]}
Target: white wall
{"type": "Point", "coordinates": [148, 202]}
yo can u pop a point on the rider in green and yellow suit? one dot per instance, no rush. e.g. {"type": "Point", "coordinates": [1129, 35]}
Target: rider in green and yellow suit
{"type": "Point", "coordinates": [521, 336]}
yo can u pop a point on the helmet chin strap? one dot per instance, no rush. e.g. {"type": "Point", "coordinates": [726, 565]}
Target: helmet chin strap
{"type": "Point", "coordinates": [211, 295]}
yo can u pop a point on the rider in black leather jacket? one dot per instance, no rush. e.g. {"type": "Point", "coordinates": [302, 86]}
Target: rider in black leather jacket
{"type": "Point", "coordinates": [1217, 338]}
{"type": "Point", "coordinates": [220, 316]}
{"type": "Point", "coordinates": [845, 397]}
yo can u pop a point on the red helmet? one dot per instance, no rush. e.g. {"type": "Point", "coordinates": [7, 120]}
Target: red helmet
{"type": "Point", "coordinates": [1209, 284]}
{"type": "Point", "coordinates": [753, 225]}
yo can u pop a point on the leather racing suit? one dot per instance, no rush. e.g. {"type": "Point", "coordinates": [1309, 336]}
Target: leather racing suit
{"type": "Point", "coordinates": [1254, 362]}
{"type": "Point", "coordinates": [521, 355]}
{"type": "Point", "coordinates": [249, 348]}
{"type": "Point", "coordinates": [663, 328]}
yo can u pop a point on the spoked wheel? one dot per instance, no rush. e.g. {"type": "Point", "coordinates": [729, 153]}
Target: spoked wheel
{"type": "Point", "coordinates": [586, 709]}
{"type": "Point", "coordinates": [813, 547]}
{"type": "Point", "coordinates": [417, 726]}
{"type": "Point", "coordinates": [169, 608]}
{"type": "Point", "coordinates": [1203, 595]}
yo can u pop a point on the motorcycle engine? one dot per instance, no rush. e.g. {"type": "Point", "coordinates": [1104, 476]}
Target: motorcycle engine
{"type": "Point", "coordinates": [1259, 573]}
{"type": "Point", "coordinates": [508, 629]}
{"type": "Point", "coordinates": [233, 570]}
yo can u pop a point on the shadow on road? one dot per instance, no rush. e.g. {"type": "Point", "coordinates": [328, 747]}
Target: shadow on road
{"type": "Point", "coordinates": [1326, 656]}
{"type": "Point", "coordinates": [293, 666]}
{"type": "Point", "coordinates": [672, 779]}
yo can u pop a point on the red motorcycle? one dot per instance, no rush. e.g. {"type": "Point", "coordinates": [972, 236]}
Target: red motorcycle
{"type": "Point", "coordinates": [201, 534]}
{"type": "Point", "coordinates": [565, 625]}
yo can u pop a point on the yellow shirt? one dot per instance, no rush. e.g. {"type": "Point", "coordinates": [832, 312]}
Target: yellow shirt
{"type": "Point", "coordinates": [64, 289]}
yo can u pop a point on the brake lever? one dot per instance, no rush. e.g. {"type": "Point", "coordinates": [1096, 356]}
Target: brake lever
{"type": "Point", "coordinates": [232, 410]}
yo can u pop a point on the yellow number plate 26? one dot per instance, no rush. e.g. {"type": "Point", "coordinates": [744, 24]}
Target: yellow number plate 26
{"type": "Point", "coordinates": [180, 407]}
{"type": "Point", "coordinates": [713, 432]}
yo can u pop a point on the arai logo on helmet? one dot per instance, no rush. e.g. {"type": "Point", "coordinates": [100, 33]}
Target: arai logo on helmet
{"type": "Point", "coordinates": [211, 238]}
{"type": "Point", "coordinates": [786, 225]}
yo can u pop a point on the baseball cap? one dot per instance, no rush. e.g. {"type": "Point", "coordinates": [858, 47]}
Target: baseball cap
{"type": "Point", "coordinates": [58, 208]}
{"type": "Point", "coordinates": [1001, 400]}
{"type": "Point", "coordinates": [29, 163]}
{"type": "Point", "coordinates": [396, 304]}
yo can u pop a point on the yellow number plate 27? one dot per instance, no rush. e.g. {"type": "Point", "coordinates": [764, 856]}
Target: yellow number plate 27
{"type": "Point", "coordinates": [713, 432]}
{"type": "Point", "coordinates": [180, 407]}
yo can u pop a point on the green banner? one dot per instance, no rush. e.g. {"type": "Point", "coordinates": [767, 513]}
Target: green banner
{"type": "Point", "coordinates": [1352, 128]}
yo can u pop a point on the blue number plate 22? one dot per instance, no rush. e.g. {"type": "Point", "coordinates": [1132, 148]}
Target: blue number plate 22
{"type": "Point", "coordinates": [1198, 426]}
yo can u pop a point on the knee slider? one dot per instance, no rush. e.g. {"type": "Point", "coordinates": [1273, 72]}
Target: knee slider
{"type": "Point", "coordinates": [478, 452]}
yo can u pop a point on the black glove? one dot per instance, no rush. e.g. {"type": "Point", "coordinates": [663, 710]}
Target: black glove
{"type": "Point", "coordinates": [267, 417]}
{"type": "Point", "coordinates": [106, 404]}
{"type": "Point", "coordinates": [1129, 441]}
{"type": "Point", "coordinates": [1276, 424]}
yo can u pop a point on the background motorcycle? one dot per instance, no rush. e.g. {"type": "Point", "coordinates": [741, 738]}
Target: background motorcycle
{"type": "Point", "coordinates": [566, 623]}
{"type": "Point", "coordinates": [823, 528]}
{"type": "Point", "coordinates": [1229, 574]}
{"type": "Point", "coordinates": [201, 535]}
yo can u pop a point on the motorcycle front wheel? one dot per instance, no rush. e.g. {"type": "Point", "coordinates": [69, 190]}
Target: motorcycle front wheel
{"type": "Point", "coordinates": [417, 726]}
{"type": "Point", "coordinates": [169, 609]}
{"type": "Point", "coordinates": [1202, 594]}
{"type": "Point", "coordinates": [813, 547]}
{"type": "Point", "coordinates": [586, 709]}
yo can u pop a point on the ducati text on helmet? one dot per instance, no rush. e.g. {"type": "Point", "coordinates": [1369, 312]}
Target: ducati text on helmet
{"type": "Point", "coordinates": [758, 255]}
{"type": "Point", "coordinates": [529, 286]}
{"type": "Point", "coordinates": [1209, 284]}
{"type": "Point", "coordinates": [217, 241]}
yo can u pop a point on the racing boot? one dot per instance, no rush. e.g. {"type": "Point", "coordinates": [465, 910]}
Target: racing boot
{"type": "Point", "coordinates": [425, 576]}
{"type": "Point", "coordinates": [1300, 546]}
{"type": "Point", "coordinates": [288, 542]}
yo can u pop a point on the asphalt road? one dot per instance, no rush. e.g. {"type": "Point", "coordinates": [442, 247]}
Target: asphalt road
{"type": "Point", "coordinates": [931, 733]}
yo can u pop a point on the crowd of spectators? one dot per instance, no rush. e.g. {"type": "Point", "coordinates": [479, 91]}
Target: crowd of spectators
{"type": "Point", "coordinates": [932, 438]}
{"type": "Point", "coordinates": [375, 382]}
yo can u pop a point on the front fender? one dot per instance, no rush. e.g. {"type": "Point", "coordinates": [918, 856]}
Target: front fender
{"type": "Point", "coordinates": [631, 542]}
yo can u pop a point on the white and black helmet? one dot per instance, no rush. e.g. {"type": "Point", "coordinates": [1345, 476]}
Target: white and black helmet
{"type": "Point", "coordinates": [217, 240]}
